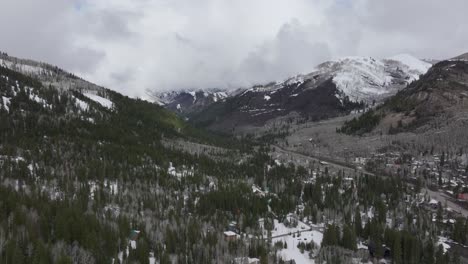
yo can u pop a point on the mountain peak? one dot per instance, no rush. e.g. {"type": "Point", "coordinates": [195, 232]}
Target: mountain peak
{"type": "Point", "coordinates": [463, 57]}
{"type": "Point", "coordinates": [412, 62]}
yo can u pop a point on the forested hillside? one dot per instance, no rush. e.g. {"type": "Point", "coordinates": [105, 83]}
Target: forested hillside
{"type": "Point", "coordinates": [79, 168]}
{"type": "Point", "coordinates": [88, 175]}
{"type": "Point", "coordinates": [438, 96]}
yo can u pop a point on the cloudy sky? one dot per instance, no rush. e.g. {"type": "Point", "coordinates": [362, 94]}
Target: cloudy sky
{"type": "Point", "coordinates": [135, 45]}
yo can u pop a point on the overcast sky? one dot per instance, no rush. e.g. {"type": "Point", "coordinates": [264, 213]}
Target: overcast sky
{"type": "Point", "coordinates": [134, 45]}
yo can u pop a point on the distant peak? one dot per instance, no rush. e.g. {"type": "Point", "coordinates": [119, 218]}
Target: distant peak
{"type": "Point", "coordinates": [412, 62]}
{"type": "Point", "coordinates": [463, 57]}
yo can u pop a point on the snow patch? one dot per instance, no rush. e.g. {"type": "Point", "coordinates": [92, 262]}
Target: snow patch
{"type": "Point", "coordinates": [444, 242]}
{"type": "Point", "coordinates": [6, 103]}
{"type": "Point", "coordinates": [412, 62]}
{"type": "Point", "coordinates": [82, 104]}
{"type": "Point", "coordinates": [194, 95]}
{"type": "Point", "coordinates": [100, 100]}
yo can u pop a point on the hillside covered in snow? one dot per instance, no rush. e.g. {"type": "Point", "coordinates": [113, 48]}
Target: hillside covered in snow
{"type": "Point", "coordinates": [333, 88]}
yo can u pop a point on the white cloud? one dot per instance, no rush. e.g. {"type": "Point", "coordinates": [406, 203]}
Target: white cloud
{"type": "Point", "coordinates": [134, 45]}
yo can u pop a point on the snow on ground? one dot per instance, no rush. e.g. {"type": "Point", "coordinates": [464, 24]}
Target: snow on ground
{"type": "Point", "coordinates": [82, 104]}
{"type": "Point", "coordinates": [281, 229]}
{"type": "Point", "coordinates": [37, 99]}
{"type": "Point", "coordinates": [194, 95]}
{"type": "Point", "coordinates": [360, 245]}
{"type": "Point", "coordinates": [444, 242]}
{"type": "Point", "coordinates": [12, 158]}
{"type": "Point", "coordinates": [292, 252]}
{"type": "Point", "coordinates": [412, 62]}
{"type": "Point", "coordinates": [289, 235]}
{"type": "Point", "coordinates": [112, 185]}
{"type": "Point", "coordinates": [6, 103]}
{"type": "Point", "coordinates": [100, 100]}
{"type": "Point", "coordinates": [171, 170]}
{"type": "Point", "coordinates": [366, 78]}
{"type": "Point", "coordinates": [219, 96]}
{"type": "Point", "coordinates": [299, 79]}
{"type": "Point", "coordinates": [267, 98]}
{"type": "Point", "coordinates": [361, 77]}
{"type": "Point", "coordinates": [24, 68]}
{"type": "Point", "coordinates": [370, 213]}
{"type": "Point", "coordinates": [246, 260]}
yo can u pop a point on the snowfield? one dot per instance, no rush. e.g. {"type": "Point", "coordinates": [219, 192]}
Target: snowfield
{"type": "Point", "coordinates": [100, 100]}
{"type": "Point", "coordinates": [414, 64]}
{"type": "Point", "coordinates": [366, 78]}
{"type": "Point", "coordinates": [358, 78]}
{"type": "Point", "coordinates": [292, 236]}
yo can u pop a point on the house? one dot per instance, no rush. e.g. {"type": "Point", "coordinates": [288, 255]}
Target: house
{"type": "Point", "coordinates": [133, 238]}
{"type": "Point", "coordinates": [230, 236]}
{"type": "Point", "coordinates": [462, 196]}
{"type": "Point", "coordinates": [433, 204]}
{"type": "Point", "coordinates": [134, 235]}
{"type": "Point", "coordinates": [257, 191]}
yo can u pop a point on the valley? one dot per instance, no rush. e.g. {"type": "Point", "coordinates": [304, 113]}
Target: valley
{"type": "Point", "coordinates": [88, 175]}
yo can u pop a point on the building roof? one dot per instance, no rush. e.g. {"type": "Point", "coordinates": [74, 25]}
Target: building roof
{"type": "Point", "coordinates": [229, 233]}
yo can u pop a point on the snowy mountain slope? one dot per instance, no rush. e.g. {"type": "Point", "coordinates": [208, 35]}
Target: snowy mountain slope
{"type": "Point", "coordinates": [462, 57]}
{"type": "Point", "coordinates": [189, 101]}
{"type": "Point", "coordinates": [47, 74]}
{"type": "Point", "coordinates": [361, 78]}
{"type": "Point", "coordinates": [415, 66]}
{"type": "Point", "coordinates": [437, 100]}
{"type": "Point", "coordinates": [50, 75]}
{"type": "Point", "coordinates": [368, 79]}
{"type": "Point", "coordinates": [333, 88]}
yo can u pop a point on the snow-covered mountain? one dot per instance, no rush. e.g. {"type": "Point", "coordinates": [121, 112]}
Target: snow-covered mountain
{"type": "Point", "coordinates": [332, 88]}
{"type": "Point", "coordinates": [189, 101]}
{"type": "Point", "coordinates": [48, 74]}
{"type": "Point", "coordinates": [436, 101]}
{"type": "Point", "coordinates": [368, 79]}
{"type": "Point", "coordinates": [463, 57]}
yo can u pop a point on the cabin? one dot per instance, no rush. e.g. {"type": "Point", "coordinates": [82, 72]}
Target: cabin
{"type": "Point", "coordinates": [230, 236]}
{"type": "Point", "coordinates": [433, 204]}
{"type": "Point", "coordinates": [134, 235]}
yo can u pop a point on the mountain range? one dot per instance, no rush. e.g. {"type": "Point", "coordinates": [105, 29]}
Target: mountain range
{"type": "Point", "coordinates": [438, 99]}
{"type": "Point", "coordinates": [88, 175]}
{"type": "Point", "coordinates": [333, 88]}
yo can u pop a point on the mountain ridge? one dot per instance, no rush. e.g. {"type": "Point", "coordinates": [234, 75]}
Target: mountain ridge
{"type": "Point", "coordinates": [436, 97]}
{"type": "Point", "coordinates": [353, 83]}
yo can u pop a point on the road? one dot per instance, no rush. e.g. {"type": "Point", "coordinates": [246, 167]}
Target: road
{"type": "Point", "coordinates": [438, 196]}
{"type": "Point", "coordinates": [442, 198]}
{"type": "Point", "coordinates": [334, 163]}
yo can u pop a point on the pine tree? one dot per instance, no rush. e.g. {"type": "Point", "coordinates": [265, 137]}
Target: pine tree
{"type": "Point", "coordinates": [358, 222]}
{"type": "Point", "coordinates": [440, 257]}
{"type": "Point", "coordinates": [429, 252]}
{"type": "Point", "coordinates": [442, 159]}
{"type": "Point", "coordinates": [396, 249]}
{"type": "Point", "coordinates": [349, 238]}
